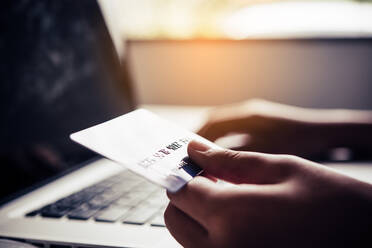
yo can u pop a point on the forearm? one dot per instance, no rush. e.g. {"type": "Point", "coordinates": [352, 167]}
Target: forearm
{"type": "Point", "coordinates": [348, 128]}
{"type": "Point", "coordinates": [335, 127]}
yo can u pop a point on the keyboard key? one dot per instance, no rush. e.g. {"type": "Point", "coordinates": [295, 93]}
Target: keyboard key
{"type": "Point", "coordinates": [124, 186]}
{"type": "Point", "coordinates": [111, 214]}
{"type": "Point", "coordinates": [105, 184]}
{"type": "Point", "coordinates": [94, 189]}
{"type": "Point", "coordinates": [81, 215]}
{"type": "Point", "coordinates": [54, 211]}
{"type": "Point", "coordinates": [128, 201]}
{"type": "Point", "coordinates": [158, 221]}
{"type": "Point", "coordinates": [157, 200]}
{"type": "Point", "coordinates": [146, 187]}
{"type": "Point", "coordinates": [32, 213]}
{"type": "Point", "coordinates": [103, 200]}
{"type": "Point", "coordinates": [110, 194]}
{"type": "Point", "coordinates": [83, 212]}
{"type": "Point", "coordinates": [128, 175]}
{"type": "Point", "coordinates": [113, 197]}
{"type": "Point", "coordinates": [132, 198]}
{"type": "Point", "coordinates": [140, 215]}
{"type": "Point", "coordinates": [72, 201]}
{"type": "Point", "coordinates": [138, 194]}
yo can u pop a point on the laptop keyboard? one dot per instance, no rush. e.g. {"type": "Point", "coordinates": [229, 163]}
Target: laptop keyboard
{"type": "Point", "coordinates": [124, 198]}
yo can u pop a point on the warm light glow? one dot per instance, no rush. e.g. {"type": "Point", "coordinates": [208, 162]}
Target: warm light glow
{"type": "Point", "coordinates": [300, 18]}
{"type": "Point", "coordinates": [238, 19]}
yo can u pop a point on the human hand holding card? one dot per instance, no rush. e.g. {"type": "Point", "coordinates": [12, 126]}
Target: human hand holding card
{"type": "Point", "coordinates": [146, 144]}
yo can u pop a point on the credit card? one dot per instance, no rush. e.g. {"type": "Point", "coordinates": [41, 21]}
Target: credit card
{"type": "Point", "coordinates": [146, 144]}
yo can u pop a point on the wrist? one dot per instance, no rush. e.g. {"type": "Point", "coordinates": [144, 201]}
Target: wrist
{"type": "Point", "coordinates": [348, 135]}
{"type": "Point", "coordinates": [345, 128]}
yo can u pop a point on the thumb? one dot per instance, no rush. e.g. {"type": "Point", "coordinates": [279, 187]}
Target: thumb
{"type": "Point", "coordinates": [235, 166]}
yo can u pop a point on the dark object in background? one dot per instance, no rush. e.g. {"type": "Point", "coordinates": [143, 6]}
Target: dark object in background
{"type": "Point", "coordinates": [55, 79]}
{"type": "Point", "coordinates": [5, 243]}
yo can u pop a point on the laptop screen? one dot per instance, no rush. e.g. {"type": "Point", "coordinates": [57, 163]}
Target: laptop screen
{"type": "Point", "coordinates": [59, 74]}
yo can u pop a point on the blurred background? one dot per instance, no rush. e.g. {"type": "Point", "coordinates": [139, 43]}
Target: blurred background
{"type": "Point", "coordinates": [238, 19]}
{"type": "Point", "coordinates": [211, 52]}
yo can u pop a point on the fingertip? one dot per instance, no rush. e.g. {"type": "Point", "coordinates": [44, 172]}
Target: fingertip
{"type": "Point", "coordinates": [198, 146]}
{"type": "Point", "coordinates": [196, 151]}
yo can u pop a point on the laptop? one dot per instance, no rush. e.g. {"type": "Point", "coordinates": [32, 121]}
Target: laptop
{"type": "Point", "coordinates": [61, 75]}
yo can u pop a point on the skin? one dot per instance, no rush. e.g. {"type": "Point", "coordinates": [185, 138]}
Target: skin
{"type": "Point", "coordinates": [272, 201]}
{"type": "Point", "coordinates": [281, 129]}
{"type": "Point", "coordinates": [275, 200]}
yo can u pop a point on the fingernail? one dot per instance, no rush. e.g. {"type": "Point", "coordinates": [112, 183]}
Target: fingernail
{"type": "Point", "coordinates": [198, 146]}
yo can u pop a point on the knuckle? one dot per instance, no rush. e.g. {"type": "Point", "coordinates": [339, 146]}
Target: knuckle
{"type": "Point", "coordinates": [213, 158]}
{"type": "Point", "coordinates": [209, 153]}
{"type": "Point", "coordinates": [258, 159]}
{"type": "Point", "coordinates": [211, 196]}
{"type": "Point", "coordinates": [286, 158]}
{"type": "Point", "coordinates": [288, 162]}
{"type": "Point", "coordinates": [227, 154]}
{"type": "Point", "coordinates": [252, 101]}
{"type": "Point", "coordinates": [222, 159]}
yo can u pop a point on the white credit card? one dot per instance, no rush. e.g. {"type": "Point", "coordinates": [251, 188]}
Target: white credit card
{"type": "Point", "coordinates": [146, 144]}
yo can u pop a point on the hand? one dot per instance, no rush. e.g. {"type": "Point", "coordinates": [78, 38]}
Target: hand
{"type": "Point", "coordinates": [282, 129]}
{"type": "Point", "coordinates": [273, 201]}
